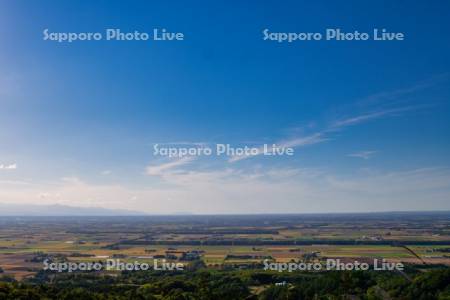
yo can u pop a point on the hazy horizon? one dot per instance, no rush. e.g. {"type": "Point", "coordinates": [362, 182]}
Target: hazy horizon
{"type": "Point", "coordinates": [14, 210]}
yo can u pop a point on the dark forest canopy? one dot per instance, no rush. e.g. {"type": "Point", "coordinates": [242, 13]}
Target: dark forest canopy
{"type": "Point", "coordinates": [245, 284]}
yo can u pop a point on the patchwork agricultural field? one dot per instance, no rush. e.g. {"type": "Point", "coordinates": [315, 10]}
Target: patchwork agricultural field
{"type": "Point", "coordinates": [222, 242]}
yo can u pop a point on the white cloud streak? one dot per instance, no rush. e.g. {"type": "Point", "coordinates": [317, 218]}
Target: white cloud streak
{"type": "Point", "coordinates": [389, 96]}
{"type": "Point", "coordinates": [291, 143]}
{"type": "Point", "coordinates": [369, 116]}
{"type": "Point", "coordinates": [8, 167]}
{"type": "Point", "coordinates": [323, 136]}
{"type": "Point", "coordinates": [363, 154]}
{"type": "Point", "coordinates": [161, 169]}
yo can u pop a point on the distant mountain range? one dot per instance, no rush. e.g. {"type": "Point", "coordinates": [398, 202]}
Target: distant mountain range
{"type": "Point", "coordinates": [61, 210]}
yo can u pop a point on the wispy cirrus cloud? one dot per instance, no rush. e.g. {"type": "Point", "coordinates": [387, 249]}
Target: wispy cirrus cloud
{"type": "Point", "coordinates": [392, 102]}
{"type": "Point", "coordinates": [389, 108]}
{"type": "Point", "coordinates": [326, 134]}
{"type": "Point", "coordinates": [312, 139]}
{"type": "Point", "coordinates": [363, 154]}
{"type": "Point", "coordinates": [164, 167]}
{"type": "Point", "coordinates": [296, 142]}
{"type": "Point", "coordinates": [365, 117]}
{"type": "Point", "coordinates": [393, 95]}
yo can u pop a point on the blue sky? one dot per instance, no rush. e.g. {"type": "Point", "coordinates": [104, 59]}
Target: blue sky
{"type": "Point", "coordinates": [368, 119]}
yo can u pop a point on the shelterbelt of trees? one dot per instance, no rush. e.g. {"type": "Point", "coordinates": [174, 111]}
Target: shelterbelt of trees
{"type": "Point", "coordinates": [206, 284]}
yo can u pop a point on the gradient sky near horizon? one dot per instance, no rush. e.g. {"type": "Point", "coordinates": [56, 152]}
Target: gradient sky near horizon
{"type": "Point", "coordinates": [369, 120]}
